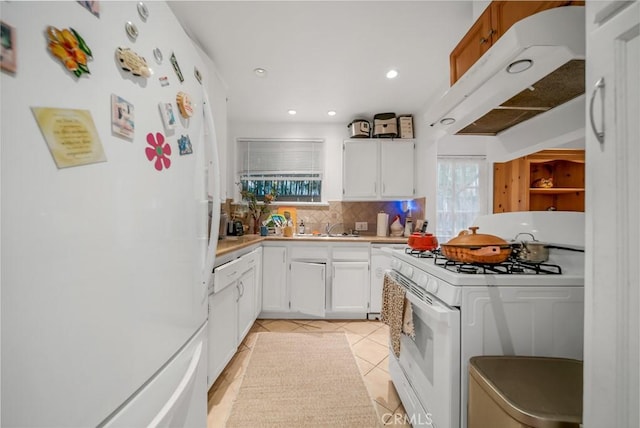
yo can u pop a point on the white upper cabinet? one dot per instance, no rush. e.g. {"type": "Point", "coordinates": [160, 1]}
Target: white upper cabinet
{"type": "Point", "coordinates": [378, 169]}
{"type": "Point", "coordinates": [397, 169]}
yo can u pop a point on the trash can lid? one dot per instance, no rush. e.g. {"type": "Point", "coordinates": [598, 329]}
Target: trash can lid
{"type": "Point", "coordinates": [541, 392]}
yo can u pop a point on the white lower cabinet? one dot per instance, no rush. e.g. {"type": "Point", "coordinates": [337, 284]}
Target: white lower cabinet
{"type": "Point", "coordinates": [350, 287]}
{"type": "Point", "coordinates": [232, 309]}
{"type": "Point", "coordinates": [308, 287]}
{"type": "Point", "coordinates": [380, 262]}
{"type": "Point", "coordinates": [246, 286]}
{"type": "Point", "coordinates": [317, 280]}
{"type": "Point", "coordinates": [223, 330]}
{"type": "Point", "coordinates": [274, 279]}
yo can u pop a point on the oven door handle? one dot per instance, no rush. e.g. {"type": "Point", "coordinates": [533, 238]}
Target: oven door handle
{"type": "Point", "coordinates": [436, 310]}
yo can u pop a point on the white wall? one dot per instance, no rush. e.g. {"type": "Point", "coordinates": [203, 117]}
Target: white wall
{"type": "Point", "coordinates": [332, 133]}
{"type": "Point", "coordinates": [478, 7]}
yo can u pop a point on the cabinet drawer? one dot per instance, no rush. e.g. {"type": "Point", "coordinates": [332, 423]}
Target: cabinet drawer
{"type": "Point", "coordinates": [250, 259]}
{"type": "Point", "coordinates": [309, 253]}
{"type": "Point", "coordinates": [351, 253]}
{"type": "Point", "coordinates": [227, 274]}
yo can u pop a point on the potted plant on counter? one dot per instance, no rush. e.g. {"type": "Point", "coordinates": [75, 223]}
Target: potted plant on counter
{"type": "Point", "coordinates": [257, 208]}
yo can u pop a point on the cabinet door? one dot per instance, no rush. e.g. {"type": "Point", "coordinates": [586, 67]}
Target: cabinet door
{"type": "Point", "coordinates": [308, 288]}
{"type": "Point", "coordinates": [612, 271]}
{"type": "Point", "coordinates": [360, 169]}
{"type": "Point", "coordinates": [257, 259]}
{"type": "Point", "coordinates": [380, 262]}
{"type": "Point", "coordinates": [397, 160]}
{"type": "Point", "coordinates": [247, 302]}
{"type": "Point", "coordinates": [274, 279]}
{"type": "Point", "coordinates": [223, 330]}
{"type": "Point", "coordinates": [350, 289]}
{"type": "Point", "coordinates": [506, 13]}
{"type": "Point", "coordinates": [472, 46]}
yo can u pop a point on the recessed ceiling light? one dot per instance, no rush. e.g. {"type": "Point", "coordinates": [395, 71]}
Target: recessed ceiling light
{"type": "Point", "coordinates": [331, 112]}
{"type": "Point", "coordinates": [260, 72]}
{"type": "Point", "coordinates": [519, 66]}
{"type": "Point", "coordinates": [292, 112]}
{"type": "Point", "coordinates": [392, 74]}
{"type": "Point", "coordinates": [447, 121]}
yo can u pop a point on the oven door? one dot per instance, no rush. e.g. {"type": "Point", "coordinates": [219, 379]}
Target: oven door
{"type": "Point", "coordinates": [431, 360]}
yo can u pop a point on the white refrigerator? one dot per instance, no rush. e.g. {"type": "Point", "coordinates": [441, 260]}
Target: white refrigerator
{"type": "Point", "coordinates": [106, 245]}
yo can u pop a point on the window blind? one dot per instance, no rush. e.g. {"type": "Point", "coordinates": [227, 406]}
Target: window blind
{"type": "Point", "coordinates": [293, 168]}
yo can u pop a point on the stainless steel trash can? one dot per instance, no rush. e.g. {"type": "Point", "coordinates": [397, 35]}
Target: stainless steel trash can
{"type": "Point", "coordinates": [514, 392]}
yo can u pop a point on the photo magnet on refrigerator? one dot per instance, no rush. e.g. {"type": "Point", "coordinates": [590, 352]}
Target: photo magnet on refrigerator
{"type": "Point", "coordinates": [184, 144]}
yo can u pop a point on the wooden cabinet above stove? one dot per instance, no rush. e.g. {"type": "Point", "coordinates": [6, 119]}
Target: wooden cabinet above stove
{"type": "Point", "coordinates": [497, 18]}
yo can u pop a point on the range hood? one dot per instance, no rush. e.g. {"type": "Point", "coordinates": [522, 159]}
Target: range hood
{"type": "Point", "coordinates": [499, 91]}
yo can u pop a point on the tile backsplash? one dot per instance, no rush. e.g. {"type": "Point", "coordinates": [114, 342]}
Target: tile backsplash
{"type": "Point", "coordinates": [344, 214]}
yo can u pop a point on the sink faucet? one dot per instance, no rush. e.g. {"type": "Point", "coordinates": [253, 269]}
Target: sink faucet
{"type": "Point", "coordinates": [330, 227]}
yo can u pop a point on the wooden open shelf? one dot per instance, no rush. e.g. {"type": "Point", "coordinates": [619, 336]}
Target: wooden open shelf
{"type": "Point", "coordinates": [515, 182]}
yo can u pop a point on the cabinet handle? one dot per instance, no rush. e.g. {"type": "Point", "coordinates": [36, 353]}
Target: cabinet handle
{"type": "Point", "coordinates": [483, 40]}
{"type": "Point", "coordinates": [238, 288]}
{"type": "Point", "coordinates": [599, 86]}
{"type": "Point", "coordinates": [242, 285]}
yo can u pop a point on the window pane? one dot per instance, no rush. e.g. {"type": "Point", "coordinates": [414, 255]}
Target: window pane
{"type": "Point", "coordinates": [296, 188]}
{"type": "Point", "coordinates": [460, 197]}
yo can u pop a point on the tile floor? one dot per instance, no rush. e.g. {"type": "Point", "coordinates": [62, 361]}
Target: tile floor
{"type": "Point", "coordinates": [368, 341]}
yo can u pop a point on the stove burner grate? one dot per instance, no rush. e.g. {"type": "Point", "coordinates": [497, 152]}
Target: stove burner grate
{"type": "Point", "coordinates": [421, 254]}
{"type": "Point", "coordinates": [510, 266]}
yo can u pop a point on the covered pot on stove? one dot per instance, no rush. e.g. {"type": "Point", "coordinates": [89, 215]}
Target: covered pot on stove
{"type": "Point", "coordinates": [422, 241]}
{"type": "Point", "coordinates": [476, 248]}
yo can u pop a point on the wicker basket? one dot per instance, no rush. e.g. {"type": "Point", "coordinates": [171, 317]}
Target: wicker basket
{"type": "Point", "coordinates": [489, 254]}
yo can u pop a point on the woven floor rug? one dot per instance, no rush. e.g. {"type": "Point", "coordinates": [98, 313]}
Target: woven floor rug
{"type": "Point", "coordinates": [302, 380]}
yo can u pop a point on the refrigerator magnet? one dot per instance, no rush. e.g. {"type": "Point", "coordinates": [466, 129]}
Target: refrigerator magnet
{"type": "Point", "coordinates": [8, 49]}
{"type": "Point", "coordinates": [132, 30]}
{"type": "Point", "coordinates": [184, 144]}
{"type": "Point", "coordinates": [70, 48]}
{"type": "Point", "coordinates": [196, 73]}
{"type": "Point", "coordinates": [71, 135]}
{"type": "Point", "coordinates": [184, 104]}
{"type": "Point", "coordinates": [168, 117]}
{"type": "Point", "coordinates": [92, 6]}
{"type": "Point", "coordinates": [164, 81]}
{"type": "Point", "coordinates": [157, 54]}
{"type": "Point", "coordinates": [158, 151]}
{"type": "Point", "coordinates": [132, 62]}
{"type": "Point", "coordinates": [176, 67]}
{"type": "Point", "coordinates": [122, 119]}
{"type": "Point", "coordinates": [143, 11]}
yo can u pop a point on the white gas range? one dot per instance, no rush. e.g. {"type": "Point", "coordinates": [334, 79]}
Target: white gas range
{"type": "Point", "coordinates": [461, 310]}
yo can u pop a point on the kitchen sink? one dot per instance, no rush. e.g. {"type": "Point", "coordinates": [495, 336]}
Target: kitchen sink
{"type": "Point", "coordinates": [324, 235]}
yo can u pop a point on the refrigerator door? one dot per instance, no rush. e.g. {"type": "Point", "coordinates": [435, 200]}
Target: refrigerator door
{"type": "Point", "coordinates": [103, 270]}
{"type": "Point", "coordinates": [172, 398]}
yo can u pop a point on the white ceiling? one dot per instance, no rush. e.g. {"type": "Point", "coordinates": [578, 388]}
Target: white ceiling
{"type": "Point", "coordinates": [327, 55]}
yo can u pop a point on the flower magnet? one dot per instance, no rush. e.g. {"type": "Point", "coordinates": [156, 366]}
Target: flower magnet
{"type": "Point", "coordinates": [159, 151]}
